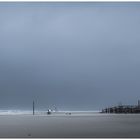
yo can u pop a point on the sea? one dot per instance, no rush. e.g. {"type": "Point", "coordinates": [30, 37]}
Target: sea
{"type": "Point", "coordinates": [44, 112]}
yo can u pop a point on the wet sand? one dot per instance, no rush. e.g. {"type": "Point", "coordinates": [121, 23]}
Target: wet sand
{"type": "Point", "coordinates": [70, 126]}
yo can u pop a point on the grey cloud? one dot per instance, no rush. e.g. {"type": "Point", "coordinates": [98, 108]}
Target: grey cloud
{"type": "Point", "coordinates": [80, 56]}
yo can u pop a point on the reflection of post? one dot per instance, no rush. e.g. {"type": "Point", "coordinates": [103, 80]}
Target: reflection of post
{"type": "Point", "coordinates": [33, 108]}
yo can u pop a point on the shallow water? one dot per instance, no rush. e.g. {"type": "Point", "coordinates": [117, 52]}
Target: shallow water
{"type": "Point", "coordinates": [70, 126]}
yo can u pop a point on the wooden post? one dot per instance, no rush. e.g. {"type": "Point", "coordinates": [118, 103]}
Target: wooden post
{"type": "Point", "coordinates": [33, 108]}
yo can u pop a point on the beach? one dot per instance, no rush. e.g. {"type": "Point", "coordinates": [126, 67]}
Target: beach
{"type": "Point", "coordinates": [95, 125]}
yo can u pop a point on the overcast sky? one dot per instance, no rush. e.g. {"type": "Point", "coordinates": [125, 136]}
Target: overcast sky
{"type": "Point", "coordinates": [75, 56]}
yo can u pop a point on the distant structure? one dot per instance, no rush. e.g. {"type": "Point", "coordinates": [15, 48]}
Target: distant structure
{"type": "Point", "coordinates": [123, 109]}
{"type": "Point", "coordinates": [138, 103]}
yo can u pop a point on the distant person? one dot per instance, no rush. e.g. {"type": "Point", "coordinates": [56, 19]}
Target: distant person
{"type": "Point", "coordinates": [49, 112]}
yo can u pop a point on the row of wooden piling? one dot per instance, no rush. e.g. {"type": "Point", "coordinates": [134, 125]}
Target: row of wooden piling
{"type": "Point", "coordinates": [123, 109]}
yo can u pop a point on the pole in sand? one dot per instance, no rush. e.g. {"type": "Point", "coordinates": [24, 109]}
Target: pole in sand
{"type": "Point", "coordinates": [33, 108]}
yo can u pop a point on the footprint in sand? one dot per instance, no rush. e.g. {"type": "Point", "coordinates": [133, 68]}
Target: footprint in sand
{"type": "Point", "coordinates": [29, 134]}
